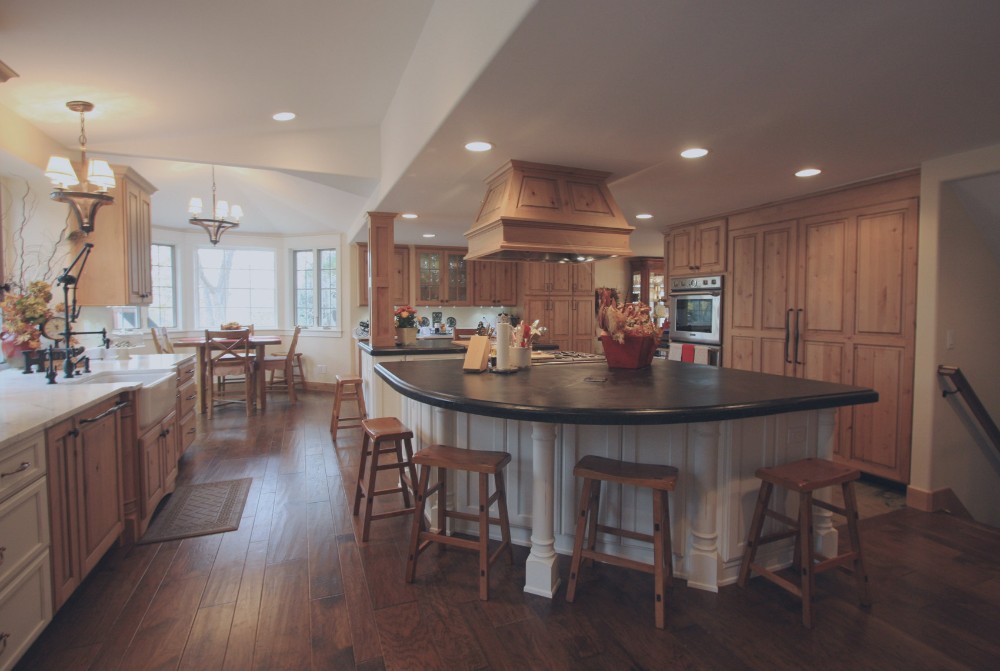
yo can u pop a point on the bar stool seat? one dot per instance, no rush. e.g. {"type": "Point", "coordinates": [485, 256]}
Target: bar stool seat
{"type": "Point", "coordinates": [805, 476]}
{"type": "Point", "coordinates": [349, 388]}
{"type": "Point", "coordinates": [661, 479]}
{"type": "Point", "coordinates": [378, 431]}
{"type": "Point", "coordinates": [483, 462]}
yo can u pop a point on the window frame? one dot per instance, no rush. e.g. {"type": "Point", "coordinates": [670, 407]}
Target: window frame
{"type": "Point", "coordinates": [317, 288]}
{"type": "Point", "coordinates": [173, 287]}
{"type": "Point", "coordinates": [196, 284]}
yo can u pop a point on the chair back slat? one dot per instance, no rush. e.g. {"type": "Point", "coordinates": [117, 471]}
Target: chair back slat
{"type": "Point", "coordinates": [161, 341]}
{"type": "Point", "coordinates": [290, 355]}
{"type": "Point", "coordinates": [230, 347]}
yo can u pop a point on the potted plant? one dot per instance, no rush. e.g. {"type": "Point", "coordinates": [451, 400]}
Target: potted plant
{"type": "Point", "coordinates": [406, 325]}
{"type": "Point", "coordinates": [23, 313]}
{"type": "Point", "coordinates": [628, 332]}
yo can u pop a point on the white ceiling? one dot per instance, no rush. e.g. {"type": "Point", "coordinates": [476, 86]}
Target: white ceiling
{"type": "Point", "coordinates": [388, 92]}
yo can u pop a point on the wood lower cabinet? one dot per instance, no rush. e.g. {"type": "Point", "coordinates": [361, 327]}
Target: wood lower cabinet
{"type": "Point", "coordinates": [158, 452]}
{"type": "Point", "coordinates": [570, 320]}
{"type": "Point", "coordinates": [119, 270]}
{"type": "Point", "coordinates": [832, 297]}
{"type": "Point", "coordinates": [187, 402]}
{"type": "Point", "coordinates": [86, 514]}
{"type": "Point", "coordinates": [25, 576]}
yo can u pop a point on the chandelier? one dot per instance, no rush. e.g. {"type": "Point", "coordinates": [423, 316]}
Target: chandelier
{"type": "Point", "coordinates": [225, 217]}
{"type": "Point", "coordinates": [84, 204]}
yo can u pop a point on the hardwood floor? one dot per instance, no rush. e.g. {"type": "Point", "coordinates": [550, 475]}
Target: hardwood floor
{"type": "Point", "coordinates": [292, 588]}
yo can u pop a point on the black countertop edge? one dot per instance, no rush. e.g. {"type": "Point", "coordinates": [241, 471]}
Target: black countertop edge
{"type": "Point", "coordinates": [633, 416]}
{"type": "Point", "coordinates": [430, 346]}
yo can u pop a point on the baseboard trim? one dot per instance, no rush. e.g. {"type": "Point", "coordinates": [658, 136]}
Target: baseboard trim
{"type": "Point", "coordinates": [322, 386]}
{"type": "Point", "coordinates": [932, 501]}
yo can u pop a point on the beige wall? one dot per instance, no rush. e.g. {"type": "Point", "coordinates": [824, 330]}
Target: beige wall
{"type": "Point", "coordinates": [957, 293]}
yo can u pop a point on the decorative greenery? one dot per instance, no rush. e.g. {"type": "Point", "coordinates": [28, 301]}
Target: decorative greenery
{"type": "Point", "coordinates": [619, 320]}
{"type": "Point", "coordinates": [406, 317]}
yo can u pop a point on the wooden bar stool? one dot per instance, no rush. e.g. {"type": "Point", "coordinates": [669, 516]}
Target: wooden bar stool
{"type": "Point", "coordinates": [349, 388]}
{"type": "Point", "coordinates": [806, 476]}
{"type": "Point", "coordinates": [483, 462]}
{"type": "Point", "coordinates": [661, 479]}
{"type": "Point", "coordinates": [378, 432]}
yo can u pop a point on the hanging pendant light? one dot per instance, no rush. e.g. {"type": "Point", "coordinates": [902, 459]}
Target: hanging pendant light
{"type": "Point", "coordinates": [224, 217]}
{"type": "Point", "coordinates": [84, 204]}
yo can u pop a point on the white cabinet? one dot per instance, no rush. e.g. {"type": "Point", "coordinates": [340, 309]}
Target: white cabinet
{"type": "Point", "coordinates": [25, 572]}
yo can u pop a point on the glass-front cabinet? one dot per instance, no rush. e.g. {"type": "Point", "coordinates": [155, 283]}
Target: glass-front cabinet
{"type": "Point", "coordinates": [647, 279]}
{"type": "Point", "coordinates": [442, 276]}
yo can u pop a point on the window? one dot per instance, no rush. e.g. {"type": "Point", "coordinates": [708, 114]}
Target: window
{"type": "Point", "coordinates": [163, 308]}
{"type": "Point", "coordinates": [315, 288]}
{"type": "Point", "coordinates": [236, 285]}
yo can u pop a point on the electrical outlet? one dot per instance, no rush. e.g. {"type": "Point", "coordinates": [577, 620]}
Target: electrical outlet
{"type": "Point", "coordinates": [321, 369]}
{"type": "Point", "coordinates": [949, 339]}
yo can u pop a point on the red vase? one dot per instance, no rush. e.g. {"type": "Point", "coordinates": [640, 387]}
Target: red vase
{"type": "Point", "coordinates": [635, 352]}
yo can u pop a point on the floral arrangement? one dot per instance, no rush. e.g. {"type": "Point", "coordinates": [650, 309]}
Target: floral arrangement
{"type": "Point", "coordinates": [527, 334]}
{"type": "Point", "coordinates": [24, 312]}
{"type": "Point", "coordinates": [406, 317]}
{"type": "Point", "coordinates": [618, 320]}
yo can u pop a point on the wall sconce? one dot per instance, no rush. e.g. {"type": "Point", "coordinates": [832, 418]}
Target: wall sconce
{"type": "Point", "coordinates": [225, 217]}
{"type": "Point", "coordinates": [84, 204]}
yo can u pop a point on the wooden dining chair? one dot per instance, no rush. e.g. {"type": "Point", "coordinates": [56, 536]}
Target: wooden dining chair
{"type": "Point", "coordinates": [286, 365]}
{"type": "Point", "coordinates": [161, 341]}
{"type": "Point", "coordinates": [228, 353]}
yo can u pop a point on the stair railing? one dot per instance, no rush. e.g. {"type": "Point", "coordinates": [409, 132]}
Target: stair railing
{"type": "Point", "coordinates": [965, 390]}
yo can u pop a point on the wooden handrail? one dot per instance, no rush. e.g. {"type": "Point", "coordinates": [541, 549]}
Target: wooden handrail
{"type": "Point", "coordinates": [979, 411]}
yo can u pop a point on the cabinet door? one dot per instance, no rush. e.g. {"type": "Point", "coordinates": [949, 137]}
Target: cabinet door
{"type": "Point", "coordinates": [710, 247]}
{"type": "Point", "coordinates": [170, 438]}
{"type": "Point", "coordinates": [457, 289]}
{"type": "Point", "coordinates": [560, 276]}
{"type": "Point", "coordinates": [399, 282]}
{"type": "Point", "coordinates": [60, 446]}
{"type": "Point", "coordinates": [138, 237]}
{"type": "Point", "coordinates": [505, 283]}
{"type": "Point", "coordinates": [583, 278]}
{"type": "Point", "coordinates": [483, 281]}
{"type": "Point", "coordinates": [759, 301]}
{"type": "Point", "coordinates": [681, 259]}
{"type": "Point", "coordinates": [584, 324]}
{"type": "Point", "coordinates": [535, 277]}
{"type": "Point", "coordinates": [430, 276]}
{"type": "Point", "coordinates": [362, 275]}
{"type": "Point", "coordinates": [100, 491]}
{"type": "Point", "coordinates": [560, 322]}
{"type": "Point", "coordinates": [538, 308]}
{"type": "Point", "coordinates": [151, 475]}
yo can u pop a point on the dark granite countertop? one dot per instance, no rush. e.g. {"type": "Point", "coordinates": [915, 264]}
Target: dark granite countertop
{"type": "Point", "coordinates": [668, 392]}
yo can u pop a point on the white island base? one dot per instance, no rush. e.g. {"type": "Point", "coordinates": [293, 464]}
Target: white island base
{"type": "Point", "coordinates": [710, 509]}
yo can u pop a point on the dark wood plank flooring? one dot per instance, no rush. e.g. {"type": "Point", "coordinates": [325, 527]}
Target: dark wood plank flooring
{"type": "Point", "coordinates": [293, 588]}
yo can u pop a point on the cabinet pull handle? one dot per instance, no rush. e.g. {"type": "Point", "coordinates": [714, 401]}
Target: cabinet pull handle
{"type": "Point", "coordinates": [788, 333]}
{"type": "Point", "coordinates": [25, 465]}
{"type": "Point", "coordinates": [798, 318]}
{"type": "Point", "coordinates": [110, 411]}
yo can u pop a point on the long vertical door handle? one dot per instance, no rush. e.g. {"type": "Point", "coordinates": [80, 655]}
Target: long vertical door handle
{"type": "Point", "coordinates": [788, 333]}
{"type": "Point", "coordinates": [798, 320]}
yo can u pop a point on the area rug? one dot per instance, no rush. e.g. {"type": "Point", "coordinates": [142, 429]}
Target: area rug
{"type": "Point", "coordinates": [198, 510]}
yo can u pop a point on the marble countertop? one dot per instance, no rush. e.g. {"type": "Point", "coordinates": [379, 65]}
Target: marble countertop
{"type": "Point", "coordinates": [29, 404]}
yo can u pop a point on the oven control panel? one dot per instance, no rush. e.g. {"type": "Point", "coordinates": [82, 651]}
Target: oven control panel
{"type": "Point", "coordinates": [713, 282]}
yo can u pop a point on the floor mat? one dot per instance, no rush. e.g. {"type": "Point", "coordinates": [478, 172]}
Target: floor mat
{"type": "Point", "coordinates": [198, 510]}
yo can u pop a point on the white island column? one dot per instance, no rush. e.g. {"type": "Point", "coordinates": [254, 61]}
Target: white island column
{"type": "Point", "coordinates": [541, 571]}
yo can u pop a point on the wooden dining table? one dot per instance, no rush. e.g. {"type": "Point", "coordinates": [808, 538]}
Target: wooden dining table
{"type": "Point", "coordinates": [258, 342]}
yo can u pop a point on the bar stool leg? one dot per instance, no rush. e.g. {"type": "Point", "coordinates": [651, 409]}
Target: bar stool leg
{"type": "Point", "coordinates": [418, 516]}
{"type": "Point", "coordinates": [410, 466]}
{"type": "Point", "coordinates": [756, 525]}
{"type": "Point", "coordinates": [337, 401]}
{"type": "Point", "coordinates": [370, 499]}
{"type": "Point", "coordinates": [442, 507]}
{"type": "Point", "coordinates": [504, 520]}
{"type": "Point", "coordinates": [659, 556]}
{"type": "Point", "coordinates": [484, 537]}
{"type": "Point", "coordinates": [402, 468]}
{"type": "Point", "coordinates": [805, 542]}
{"type": "Point", "coordinates": [581, 525]}
{"type": "Point", "coordinates": [860, 574]}
{"type": "Point", "coordinates": [358, 489]}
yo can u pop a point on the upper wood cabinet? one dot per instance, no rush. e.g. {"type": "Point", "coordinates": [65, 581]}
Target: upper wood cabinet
{"type": "Point", "coordinates": [832, 297]}
{"type": "Point", "coordinates": [647, 279]}
{"type": "Point", "coordinates": [494, 282]}
{"type": "Point", "coordinates": [119, 270]}
{"type": "Point", "coordinates": [557, 278]}
{"type": "Point", "coordinates": [442, 276]}
{"type": "Point", "coordinates": [697, 249]}
{"type": "Point", "coordinates": [399, 286]}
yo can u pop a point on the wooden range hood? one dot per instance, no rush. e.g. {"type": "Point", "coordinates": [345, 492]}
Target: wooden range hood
{"type": "Point", "coordinates": [537, 212]}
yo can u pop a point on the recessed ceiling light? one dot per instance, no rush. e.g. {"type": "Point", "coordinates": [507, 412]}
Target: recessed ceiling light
{"type": "Point", "coordinates": [479, 145]}
{"type": "Point", "coordinates": [694, 152]}
{"type": "Point", "coordinates": [428, 235]}
{"type": "Point", "coordinates": [644, 216]}
{"type": "Point", "coordinates": [408, 215]}
{"type": "Point", "coordinates": [808, 172]}
{"type": "Point", "coordinates": [284, 116]}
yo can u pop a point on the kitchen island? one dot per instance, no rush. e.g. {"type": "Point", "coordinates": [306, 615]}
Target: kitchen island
{"type": "Point", "coordinates": [716, 425]}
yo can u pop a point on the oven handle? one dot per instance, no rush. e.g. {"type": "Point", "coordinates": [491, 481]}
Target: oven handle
{"type": "Point", "coordinates": [699, 292]}
{"type": "Point", "coordinates": [788, 333]}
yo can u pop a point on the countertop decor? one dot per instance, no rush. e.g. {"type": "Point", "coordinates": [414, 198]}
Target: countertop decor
{"type": "Point", "coordinates": [628, 331]}
{"type": "Point", "coordinates": [23, 313]}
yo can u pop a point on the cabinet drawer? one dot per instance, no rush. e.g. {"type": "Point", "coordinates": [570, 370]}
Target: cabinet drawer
{"type": "Point", "coordinates": [189, 429]}
{"type": "Point", "coordinates": [25, 610]}
{"type": "Point", "coordinates": [21, 463]}
{"type": "Point", "coordinates": [187, 397]}
{"type": "Point", "coordinates": [24, 528]}
{"type": "Point", "coordinates": [185, 373]}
